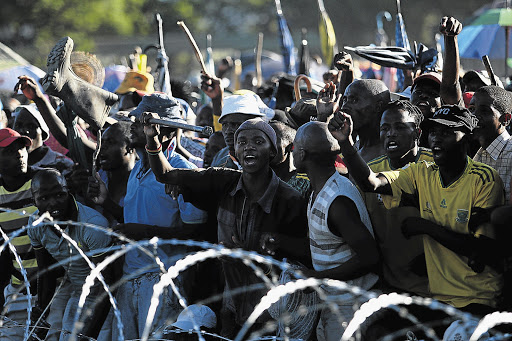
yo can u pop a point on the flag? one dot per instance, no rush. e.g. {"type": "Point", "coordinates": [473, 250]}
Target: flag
{"type": "Point", "coordinates": [401, 41]}
{"type": "Point", "coordinates": [286, 41]}
{"type": "Point", "coordinates": [303, 67]}
{"type": "Point", "coordinates": [327, 35]}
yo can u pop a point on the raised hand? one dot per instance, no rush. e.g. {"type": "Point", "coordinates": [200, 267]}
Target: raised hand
{"type": "Point", "coordinates": [340, 127]}
{"type": "Point", "coordinates": [29, 87]}
{"type": "Point", "coordinates": [97, 190]}
{"type": "Point", "coordinates": [327, 102]}
{"type": "Point", "coordinates": [343, 61]}
{"type": "Point", "coordinates": [211, 86]}
{"type": "Point", "coordinates": [150, 129]}
{"type": "Point", "coordinates": [450, 26]}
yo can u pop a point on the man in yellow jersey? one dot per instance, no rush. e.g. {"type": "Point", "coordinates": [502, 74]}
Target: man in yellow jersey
{"type": "Point", "coordinates": [446, 191]}
{"type": "Point", "coordinates": [16, 203]}
{"type": "Point", "coordinates": [403, 261]}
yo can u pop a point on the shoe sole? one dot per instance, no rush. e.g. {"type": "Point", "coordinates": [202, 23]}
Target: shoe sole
{"type": "Point", "coordinates": [53, 80]}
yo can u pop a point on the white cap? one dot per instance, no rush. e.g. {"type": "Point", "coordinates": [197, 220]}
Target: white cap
{"type": "Point", "coordinates": [240, 104]}
{"type": "Point", "coordinates": [459, 330]}
{"type": "Point", "coordinates": [202, 315]}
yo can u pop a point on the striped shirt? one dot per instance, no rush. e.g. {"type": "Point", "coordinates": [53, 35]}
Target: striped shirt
{"type": "Point", "coordinates": [19, 206]}
{"type": "Point", "coordinates": [327, 249]}
{"type": "Point", "coordinates": [498, 155]}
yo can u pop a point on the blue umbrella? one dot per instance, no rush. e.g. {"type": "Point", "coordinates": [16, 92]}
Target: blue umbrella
{"type": "Point", "coordinates": [286, 41]}
{"type": "Point", "coordinates": [476, 41]}
{"type": "Point", "coordinates": [487, 35]}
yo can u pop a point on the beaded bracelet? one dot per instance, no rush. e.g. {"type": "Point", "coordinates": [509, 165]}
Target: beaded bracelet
{"type": "Point", "coordinates": [155, 151]}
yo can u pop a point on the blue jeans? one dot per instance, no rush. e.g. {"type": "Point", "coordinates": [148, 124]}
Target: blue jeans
{"type": "Point", "coordinates": [63, 310]}
{"type": "Point", "coordinates": [134, 299]}
{"type": "Point", "coordinates": [16, 304]}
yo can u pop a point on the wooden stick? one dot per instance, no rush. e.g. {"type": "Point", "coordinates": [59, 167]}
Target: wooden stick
{"type": "Point", "coordinates": [488, 67]}
{"type": "Point", "coordinates": [257, 62]}
{"type": "Point", "coordinates": [199, 56]}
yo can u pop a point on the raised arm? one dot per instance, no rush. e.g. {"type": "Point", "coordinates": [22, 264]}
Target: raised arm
{"type": "Point", "coordinates": [327, 102]}
{"type": "Point", "coordinates": [30, 89]}
{"type": "Point", "coordinates": [343, 62]}
{"type": "Point", "coordinates": [28, 86]}
{"type": "Point", "coordinates": [340, 127]}
{"type": "Point", "coordinates": [212, 87]}
{"type": "Point", "coordinates": [451, 92]}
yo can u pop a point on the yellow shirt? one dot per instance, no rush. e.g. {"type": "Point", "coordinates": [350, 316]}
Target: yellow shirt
{"type": "Point", "coordinates": [398, 253]}
{"type": "Point", "coordinates": [451, 280]}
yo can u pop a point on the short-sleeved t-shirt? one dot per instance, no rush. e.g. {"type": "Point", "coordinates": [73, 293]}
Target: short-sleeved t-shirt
{"type": "Point", "coordinates": [399, 254]}
{"type": "Point", "coordinates": [87, 238]}
{"type": "Point", "coordinates": [146, 202]}
{"type": "Point", "coordinates": [451, 280]}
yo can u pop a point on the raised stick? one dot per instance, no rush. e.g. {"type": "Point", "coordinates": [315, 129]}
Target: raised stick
{"type": "Point", "coordinates": [199, 56]}
{"type": "Point", "coordinates": [488, 67]}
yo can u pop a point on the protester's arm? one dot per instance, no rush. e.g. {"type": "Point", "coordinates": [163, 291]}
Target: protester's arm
{"type": "Point", "coordinates": [141, 231]}
{"type": "Point", "coordinates": [97, 191]}
{"type": "Point", "coordinates": [297, 247]}
{"type": "Point", "coordinates": [340, 127]}
{"type": "Point", "coordinates": [481, 248]}
{"type": "Point", "coordinates": [212, 87]}
{"type": "Point", "coordinates": [344, 220]}
{"type": "Point", "coordinates": [30, 89]}
{"type": "Point", "coordinates": [160, 166]}
{"type": "Point", "coordinates": [345, 65]}
{"type": "Point", "coordinates": [46, 282]}
{"type": "Point", "coordinates": [451, 92]}
{"type": "Point", "coordinates": [327, 102]}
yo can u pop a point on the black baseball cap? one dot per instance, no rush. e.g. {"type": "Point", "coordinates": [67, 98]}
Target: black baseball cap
{"type": "Point", "coordinates": [454, 116]}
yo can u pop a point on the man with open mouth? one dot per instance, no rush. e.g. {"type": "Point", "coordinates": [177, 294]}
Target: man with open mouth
{"type": "Point", "coordinates": [255, 210]}
{"type": "Point", "coordinates": [445, 191]}
{"type": "Point", "coordinates": [401, 258]}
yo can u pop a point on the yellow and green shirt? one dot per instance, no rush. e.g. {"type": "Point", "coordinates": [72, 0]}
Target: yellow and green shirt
{"type": "Point", "coordinates": [17, 206]}
{"type": "Point", "coordinates": [451, 280]}
{"type": "Point", "coordinates": [398, 253]}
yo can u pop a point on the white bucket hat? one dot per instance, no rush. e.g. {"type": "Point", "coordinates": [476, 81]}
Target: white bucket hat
{"type": "Point", "coordinates": [240, 104]}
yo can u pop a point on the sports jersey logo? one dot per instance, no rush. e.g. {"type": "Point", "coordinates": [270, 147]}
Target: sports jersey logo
{"type": "Point", "coordinates": [443, 111]}
{"type": "Point", "coordinates": [462, 216]}
{"type": "Point", "coordinates": [428, 208]}
{"type": "Point", "coordinates": [443, 203]}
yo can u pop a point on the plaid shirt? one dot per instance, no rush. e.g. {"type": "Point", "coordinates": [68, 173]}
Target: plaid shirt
{"type": "Point", "coordinates": [498, 155]}
{"type": "Point", "coordinates": [280, 210]}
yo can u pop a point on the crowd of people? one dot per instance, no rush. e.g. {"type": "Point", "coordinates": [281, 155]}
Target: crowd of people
{"type": "Point", "coordinates": [387, 192]}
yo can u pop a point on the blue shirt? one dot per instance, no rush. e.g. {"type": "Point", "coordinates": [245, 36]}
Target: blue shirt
{"type": "Point", "coordinates": [88, 239]}
{"type": "Point", "coordinates": [147, 203]}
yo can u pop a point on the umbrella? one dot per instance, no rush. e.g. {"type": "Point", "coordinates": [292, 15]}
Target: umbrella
{"type": "Point", "coordinates": [401, 41]}
{"type": "Point", "coordinates": [487, 35]}
{"type": "Point", "coordinates": [397, 57]}
{"type": "Point", "coordinates": [327, 35]}
{"type": "Point", "coordinates": [286, 41]}
{"type": "Point", "coordinates": [304, 55]}
{"type": "Point", "coordinates": [9, 77]}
